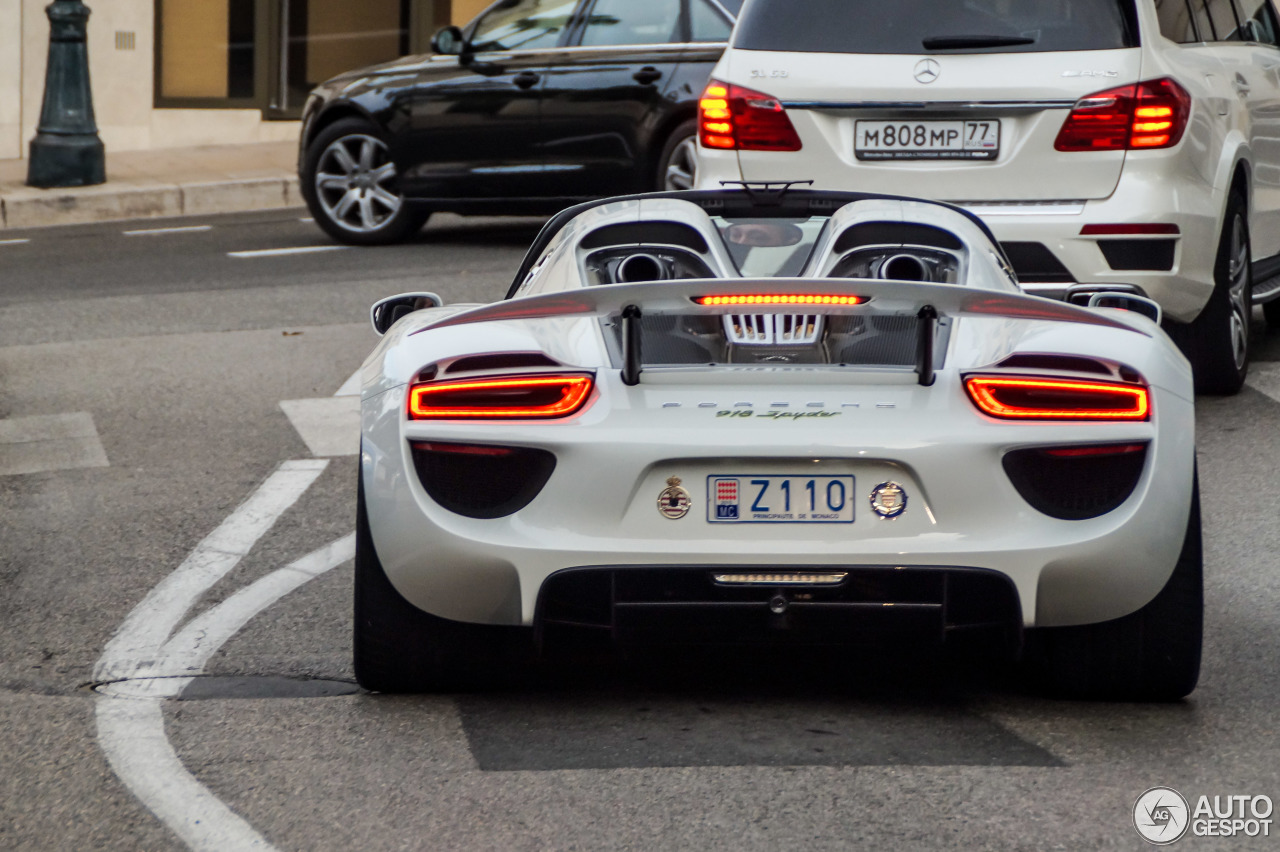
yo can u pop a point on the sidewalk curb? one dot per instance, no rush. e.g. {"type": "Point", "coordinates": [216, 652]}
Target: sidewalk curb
{"type": "Point", "coordinates": [37, 208]}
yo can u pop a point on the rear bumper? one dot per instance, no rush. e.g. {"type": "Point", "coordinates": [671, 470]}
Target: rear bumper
{"type": "Point", "coordinates": [599, 507]}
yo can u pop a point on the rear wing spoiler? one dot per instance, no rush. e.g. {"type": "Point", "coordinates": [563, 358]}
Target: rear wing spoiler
{"type": "Point", "coordinates": [927, 302]}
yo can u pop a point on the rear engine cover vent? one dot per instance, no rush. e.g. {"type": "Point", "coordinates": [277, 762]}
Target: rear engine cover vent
{"type": "Point", "coordinates": [1079, 482]}
{"type": "Point", "coordinates": [773, 329]}
{"type": "Point", "coordinates": [480, 481]}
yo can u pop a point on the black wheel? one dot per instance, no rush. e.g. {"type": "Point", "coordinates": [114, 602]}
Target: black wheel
{"type": "Point", "coordinates": [352, 188]}
{"type": "Point", "coordinates": [400, 648]}
{"type": "Point", "coordinates": [678, 163]}
{"type": "Point", "coordinates": [1150, 655]}
{"type": "Point", "coordinates": [1217, 341]}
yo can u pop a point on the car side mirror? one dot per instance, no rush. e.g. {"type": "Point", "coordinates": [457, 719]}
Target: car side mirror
{"type": "Point", "coordinates": [387, 312]}
{"type": "Point", "coordinates": [449, 41]}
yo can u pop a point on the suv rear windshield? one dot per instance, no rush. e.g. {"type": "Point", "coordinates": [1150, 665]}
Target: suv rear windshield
{"type": "Point", "coordinates": [936, 26]}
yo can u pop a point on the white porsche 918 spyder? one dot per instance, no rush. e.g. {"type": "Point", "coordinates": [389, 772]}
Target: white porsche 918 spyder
{"type": "Point", "coordinates": [777, 415]}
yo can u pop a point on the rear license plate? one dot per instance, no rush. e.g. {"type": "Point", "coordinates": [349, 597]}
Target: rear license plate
{"type": "Point", "coordinates": [926, 140]}
{"type": "Point", "coordinates": [771, 499]}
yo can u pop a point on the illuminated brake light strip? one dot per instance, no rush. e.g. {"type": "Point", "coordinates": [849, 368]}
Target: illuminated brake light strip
{"type": "Point", "coordinates": [574, 391]}
{"type": "Point", "coordinates": [984, 391]}
{"type": "Point", "coordinates": [780, 299]}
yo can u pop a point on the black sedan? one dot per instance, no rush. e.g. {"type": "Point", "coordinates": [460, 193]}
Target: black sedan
{"type": "Point", "coordinates": [535, 105]}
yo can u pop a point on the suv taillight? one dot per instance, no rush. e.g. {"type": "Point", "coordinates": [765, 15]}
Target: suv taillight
{"type": "Point", "coordinates": [1143, 115]}
{"type": "Point", "coordinates": [733, 118]}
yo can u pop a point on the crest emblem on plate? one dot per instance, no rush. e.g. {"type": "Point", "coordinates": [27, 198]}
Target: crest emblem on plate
{"type": "Point", "coordinates": [674, 501]}
{"type": "Point", "coordinates": [889, 500]}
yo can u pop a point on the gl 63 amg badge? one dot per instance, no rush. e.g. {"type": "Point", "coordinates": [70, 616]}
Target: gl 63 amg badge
{"type": "Point", "coordinates": [674, 501]}
{"type": "Point", "coordinates": [888, 500]}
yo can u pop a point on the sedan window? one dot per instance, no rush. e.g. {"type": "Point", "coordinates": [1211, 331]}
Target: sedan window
{"type": "Point", "coordinates": [617, 22]}
{"type": "Point", "coordinates": [1259, 21]}
{"type": "Point", "coordinates": [1176, 23]}
{"type": "Point", "coordinates": [709, 21]}
{"type": "Point", "coordinates": [522, 25]}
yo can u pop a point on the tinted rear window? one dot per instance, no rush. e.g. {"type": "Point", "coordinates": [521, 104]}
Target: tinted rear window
{"type": "Point", "coordinates": [873, 26]}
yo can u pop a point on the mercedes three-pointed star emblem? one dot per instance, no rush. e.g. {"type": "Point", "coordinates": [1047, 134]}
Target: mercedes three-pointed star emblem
{"type": "Point", "coordinates": [927, 70]}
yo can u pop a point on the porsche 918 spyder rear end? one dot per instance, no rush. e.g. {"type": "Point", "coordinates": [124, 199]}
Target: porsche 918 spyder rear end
{"type": "Point", "coordinates": [779, 461]}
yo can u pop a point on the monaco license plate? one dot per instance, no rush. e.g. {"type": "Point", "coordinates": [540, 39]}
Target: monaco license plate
{"type": "Point", "coordinates": [768, 499]}
{"type": "Point", "coordinates": [926, 140]}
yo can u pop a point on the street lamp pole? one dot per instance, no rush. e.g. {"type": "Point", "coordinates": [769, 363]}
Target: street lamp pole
{"type": "Point", "coordinates": [66, 150]}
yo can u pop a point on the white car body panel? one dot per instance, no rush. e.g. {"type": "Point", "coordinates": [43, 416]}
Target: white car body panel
{"type": "Point", "coordinates": [614, 457]}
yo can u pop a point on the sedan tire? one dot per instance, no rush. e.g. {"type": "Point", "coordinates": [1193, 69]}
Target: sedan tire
{"type": "Point", "coordinates": [352, 188]}
{"type": "Point", "coordinates": [678, 163]}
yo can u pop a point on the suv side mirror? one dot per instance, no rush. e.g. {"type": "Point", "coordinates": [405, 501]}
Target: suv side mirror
{"type": "Point", "coordinates": [386, 312]}
{"type": "Point", "coordinates": [449, 41]}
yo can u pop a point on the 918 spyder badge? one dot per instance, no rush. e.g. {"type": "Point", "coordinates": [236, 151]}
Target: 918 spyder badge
{"type": "Point", "coordinates": [888, 500]}
{"type": "Point", "coordinates": [674, 501]}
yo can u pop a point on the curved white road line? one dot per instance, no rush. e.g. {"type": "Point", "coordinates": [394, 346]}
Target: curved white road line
{"type": "Point", "coordinates": [131, 732]}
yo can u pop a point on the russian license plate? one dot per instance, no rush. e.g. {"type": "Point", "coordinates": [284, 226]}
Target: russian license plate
{"type": "Point", "coordinates": [780, 499]}
{"type": "Point", "coordinates": [926, 140]}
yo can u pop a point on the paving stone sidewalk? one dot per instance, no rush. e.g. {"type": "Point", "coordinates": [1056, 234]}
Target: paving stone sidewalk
{"type": "Point", "coordinates": [160, 183]}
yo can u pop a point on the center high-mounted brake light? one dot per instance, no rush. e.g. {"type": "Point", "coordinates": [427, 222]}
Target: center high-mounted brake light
{"type": "Point", "coordinates": [533, 397]}
{"type": "Point", "coordinates": [780, 299]}
{"type": "Point", "coordinates": [1142, 115]}
{"type": "Point", "coordinates": [1019, 398]}
{"type": "Point", "coordinates": [735, 118]}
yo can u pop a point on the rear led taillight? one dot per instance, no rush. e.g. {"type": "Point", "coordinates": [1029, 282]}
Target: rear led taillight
{"type": "Point", "coordinates": [734, 118]}
{"type": "Point", "coordinates": [783, 299]}
{"type": "Point", "coordinates": [534, 397]}
{"type": "Point", "coordinates": [1143, 115]}
{"type": "Point", "coordinates": [1017, 398]}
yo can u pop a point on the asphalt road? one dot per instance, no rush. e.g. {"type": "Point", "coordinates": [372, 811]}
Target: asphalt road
{"type": "Point", "coordinates": [154, 367]}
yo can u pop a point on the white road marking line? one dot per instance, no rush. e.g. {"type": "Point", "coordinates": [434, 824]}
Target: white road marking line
{"type": "Point", "coordinates": [351, 387]}
{"type": "Point", "coordinates": [145, 630]}
{"type": "Point", "coordinates": [1264, 377]}
{"type": "Point", "coordinates": [285, 252]}
{"type": "Point", "coordinates": [13, 242]}
{"type": "Point", "coordinates": [49, 442]}
{"type": "Point", "coordinates": [330, 426]}
{"type": "Point", "coordinates": [132, 735]}
{"type": "Point", "coordinates": [153, 232]}
{"type": "Point", "coordinates": [188, 651]}
{"type": "Point", "coordinates": [307, 219]}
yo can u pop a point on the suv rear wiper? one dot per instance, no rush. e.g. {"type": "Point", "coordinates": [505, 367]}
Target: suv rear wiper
{"type": "Point", "coordinates": [958, 41]}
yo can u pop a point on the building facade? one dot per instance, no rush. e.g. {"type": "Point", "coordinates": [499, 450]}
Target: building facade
{"type": "Point", "coordinates": [174, 73]}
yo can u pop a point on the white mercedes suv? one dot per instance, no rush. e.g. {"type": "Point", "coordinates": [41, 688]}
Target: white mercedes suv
{"type": "Point", "coordinates": [1109, 144]}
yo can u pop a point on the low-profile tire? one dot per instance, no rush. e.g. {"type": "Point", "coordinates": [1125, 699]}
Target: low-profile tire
{"type": "Point", "coordinates": [352, 188]}
{"type": "Point", "coordinates": [399, 648]}
{"type": "Point", "coordinates": [1217, 341]}
{"type": "Point", "coordinates": [678, 162]}
{"type": "Point", "coordinates": [1150, 655]}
